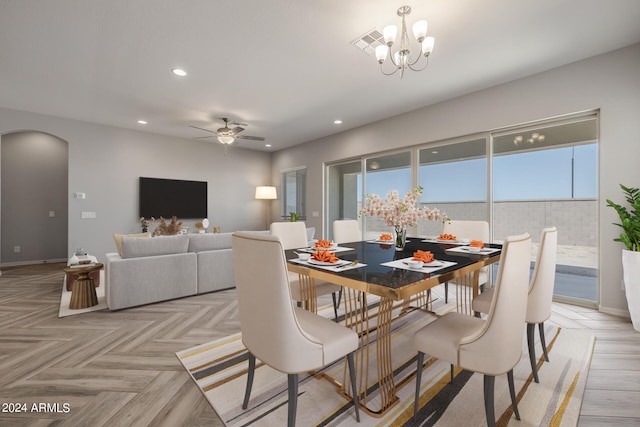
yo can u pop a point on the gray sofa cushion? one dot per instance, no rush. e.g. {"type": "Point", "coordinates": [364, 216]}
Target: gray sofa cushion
{"type": "Point", "coordinates": [136, 247]}
{"type": "Point", "coordinates": [209, 242]}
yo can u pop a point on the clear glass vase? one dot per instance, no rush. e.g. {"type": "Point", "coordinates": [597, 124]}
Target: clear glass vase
{"type": "Point", "coordinates": [401, 238]}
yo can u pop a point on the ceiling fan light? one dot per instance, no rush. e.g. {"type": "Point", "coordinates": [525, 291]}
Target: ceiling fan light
{"type": "Point", "coordinates": [420, 30]}
{"type": "Point", "coordinates": [226, 139]}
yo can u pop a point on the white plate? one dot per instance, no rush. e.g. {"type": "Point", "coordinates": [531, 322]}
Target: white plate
{"type": "Point", "coordinates": [314, 262]}
{"type": "Point", "coordinates": [386, 242]}
{"type": "Point", "coordinates": [435, 263]}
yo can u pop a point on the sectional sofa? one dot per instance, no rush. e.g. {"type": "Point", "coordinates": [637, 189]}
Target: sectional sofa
{"type": "Point", "coordinates": [153, 269]}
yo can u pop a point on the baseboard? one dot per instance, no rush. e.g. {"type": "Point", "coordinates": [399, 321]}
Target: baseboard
{"type": "Point", "coordinates": [615, 312]}
{"type": "Point", "coordinates": [32, 262]}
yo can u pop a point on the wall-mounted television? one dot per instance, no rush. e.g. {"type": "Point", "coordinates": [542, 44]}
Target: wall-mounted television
{"type": "Point", "coordinates": [173, 197]}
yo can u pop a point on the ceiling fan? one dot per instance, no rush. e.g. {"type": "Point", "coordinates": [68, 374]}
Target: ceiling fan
{"type": "Point", "coordinates": [227, 135]}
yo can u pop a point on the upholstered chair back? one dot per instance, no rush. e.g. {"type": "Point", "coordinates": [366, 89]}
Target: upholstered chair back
{"type": "Point", "coordinates": [475, 230]}
{"type": "Point", "coordinates": [543, 278]}
{"type": "Point", "coordinates": [346, 230]}
{"type": "Point", "coordinates": [292, 234]}
{"type": "Point", "coordinates": [270, 330]}
{"type": "Point", "coordinates": [500, 341]}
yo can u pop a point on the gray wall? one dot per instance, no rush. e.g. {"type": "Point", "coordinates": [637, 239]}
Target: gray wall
{"type": "Point", "coordinates": [34, 183]}
{"type": "Point", "coordinates": [607, 82]}
{"type": "Point", "coordinates": [105, 163]}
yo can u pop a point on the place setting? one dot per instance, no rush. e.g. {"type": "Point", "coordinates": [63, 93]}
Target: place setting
{"type": "Point", "coordinates": [474, 247]}
{"type": "Point", "coordinates": [449, 239]}
{"type": "Point", "coordinates": [327, 260]}
{"type": "Point", "coordinates": [326, 245]}
{"type": "Point", "coordinates": [422, 261]}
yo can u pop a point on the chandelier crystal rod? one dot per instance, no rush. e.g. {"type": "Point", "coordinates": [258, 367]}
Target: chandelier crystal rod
{"type": "Point", "coordinates": [404, 57]}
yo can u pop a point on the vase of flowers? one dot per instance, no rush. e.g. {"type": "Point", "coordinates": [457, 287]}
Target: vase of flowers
{"type": "Point", "coordinates": [401, 213]}
{"type": "Point", "coordinates": [145, 223]}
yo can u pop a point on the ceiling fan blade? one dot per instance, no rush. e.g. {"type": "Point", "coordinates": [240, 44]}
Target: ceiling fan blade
{"type": "Point", "coordinates": [236, 130]}
{"type": "Point", "coordinates": [236, 123]}
{"type": "Point", "coordinates": [254, 138]}
{"type": "Point", "coordinates": [206, 130]}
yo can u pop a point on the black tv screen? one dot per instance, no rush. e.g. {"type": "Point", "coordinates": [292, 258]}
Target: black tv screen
{"type": "Point", "coordinates": [172, 197]}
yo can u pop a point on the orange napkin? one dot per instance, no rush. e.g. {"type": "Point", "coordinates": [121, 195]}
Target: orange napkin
{"type": "Point", "coordinates": [325, 256]}
{"type": "Point", "coordinates": [323, 244]}
{"type": "Point", "coordinates": [385, 236]}
{"type": "Point", "coordinates": [477, 244]}
{"type": "Point", "coordinates": [446, 236]}
{"type": "Point", "coordinates": [424, 256]}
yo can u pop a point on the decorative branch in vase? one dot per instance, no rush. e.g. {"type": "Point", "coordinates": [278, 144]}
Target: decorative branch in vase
{"type": "Point", "coordinates": [401, 213]}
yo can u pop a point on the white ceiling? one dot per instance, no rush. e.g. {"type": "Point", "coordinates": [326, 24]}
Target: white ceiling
{"type": "Point", "coordinates": [286, 67]}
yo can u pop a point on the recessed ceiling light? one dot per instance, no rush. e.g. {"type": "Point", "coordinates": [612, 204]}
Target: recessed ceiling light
{"type": "Point", "coordinates": [142, 122]}
{"type": "Point", "coordinates": [179, 72]}
{"type": "Point", "coordinates": [267, 145]}
{"type": "Point", "coordinates": [337, 122]}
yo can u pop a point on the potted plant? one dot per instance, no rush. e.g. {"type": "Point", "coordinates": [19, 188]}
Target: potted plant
{"type": "Point", "coordinates": [630, 236]}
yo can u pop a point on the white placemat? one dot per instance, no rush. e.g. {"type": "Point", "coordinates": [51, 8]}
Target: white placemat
{"type": "Point", "coordinates": [465, 250]}
{"type": "Point", "coordinates": [342, 265]}
{"type": "Point", "coordinates": [446, 242]}
{"type": "Point", "coordinates": [402, 263]}
{"type": "Point", "coordinates": [336, 249]}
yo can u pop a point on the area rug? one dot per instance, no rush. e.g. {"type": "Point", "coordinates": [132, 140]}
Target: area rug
{"type": "Point", "coordinates": [65, 298]}
{"type": "Point", "coordinates": [219, 370]}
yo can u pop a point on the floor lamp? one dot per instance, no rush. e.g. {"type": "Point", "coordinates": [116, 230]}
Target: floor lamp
{"type": "Point", "coordinates": [266, 193]}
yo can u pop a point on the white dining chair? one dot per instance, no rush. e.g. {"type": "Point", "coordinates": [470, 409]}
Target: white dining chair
{"type": "Point", "coordinates": [293, 235]}
{"type": "Point", "coordinates": [473, 230]}
{"type": "Point", "coordinates": [492, 346]}
{"type": "Point", "coordinates": [286, 338]}
{"type": "Point", "coordinates": [540, 295]}
{"type": "Point", "coordinates": [346, 230]}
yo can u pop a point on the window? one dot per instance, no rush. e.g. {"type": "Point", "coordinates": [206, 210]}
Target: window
{"type": "Point", "coordinates": [294, 189]}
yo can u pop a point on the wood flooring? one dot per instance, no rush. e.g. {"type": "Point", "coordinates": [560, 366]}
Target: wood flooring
{"type": "Point", "coordinates": [120, 369]}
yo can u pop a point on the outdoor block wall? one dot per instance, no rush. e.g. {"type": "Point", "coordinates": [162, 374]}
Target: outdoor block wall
{"type": "Point", "coordinates": [576, 219]}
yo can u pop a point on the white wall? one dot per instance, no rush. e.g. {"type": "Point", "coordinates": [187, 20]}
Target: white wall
{"type": "Point", "coordinates": [608, 82]}
{"type": "Point", "coordinates": [105, 163]}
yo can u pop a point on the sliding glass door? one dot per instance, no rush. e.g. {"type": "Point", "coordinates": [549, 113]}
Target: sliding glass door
{"type": "Point", "coordinates": [547, 176]}
{"type": "Point", "coordinates": [344, 193]}
{"type": "Point", "coordinates": [454, 178]}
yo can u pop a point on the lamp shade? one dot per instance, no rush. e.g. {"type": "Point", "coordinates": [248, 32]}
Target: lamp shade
{"type": "Point", "coordinates": [266, 193]}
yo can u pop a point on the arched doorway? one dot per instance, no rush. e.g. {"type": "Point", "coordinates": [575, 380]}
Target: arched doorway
{"type": "Point", "coordinates": [34, 198]}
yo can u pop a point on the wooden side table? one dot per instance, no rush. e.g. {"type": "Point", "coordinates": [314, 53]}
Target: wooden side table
{"type": "Point", "coordinates": [83, 292]}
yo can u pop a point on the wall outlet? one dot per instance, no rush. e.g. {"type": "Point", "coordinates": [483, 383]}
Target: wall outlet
{"type": "Point", "coordinates": [80, 195]}
{"type": "Point", "coordinates": [17, 249]}
{"type": "Point", "coordinates": [315, 214]}
{"type": "Point", "coordinates": [52, 214]}
{"type": "Point", "coordinates": [88, 215]}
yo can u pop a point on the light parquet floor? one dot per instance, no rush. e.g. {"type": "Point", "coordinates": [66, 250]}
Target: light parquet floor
{"type": "Point", "coordinates": [119, 368]}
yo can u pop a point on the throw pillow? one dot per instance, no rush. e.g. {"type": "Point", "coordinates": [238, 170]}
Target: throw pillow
{"type": "Point", "coordinates": [118, 239]}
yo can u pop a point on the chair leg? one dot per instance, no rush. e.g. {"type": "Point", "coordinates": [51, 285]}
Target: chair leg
{"type": "Point", "coordinates": [418, 379]}
{"type": "Point", "coordinates": [354, 387]}
{"type": "Point", "coordinates": [335, 306]}
{"type": "Point", "coordinates": [489, 383]}
{"type": "Point", "coordinates": [542, 341]}
{"type": "Point", "coordinates": [451, 376]}
{"type": "Point", "coordinates": [293, 399]}
{"type": "Point", "coordinates": [247, 392]}
{"type": "Point", "coordinates": [446, 292]}
{"type": "Point", "coordinates": [512, 391]}
{"type": "Point", "coordinates": [532, 350]}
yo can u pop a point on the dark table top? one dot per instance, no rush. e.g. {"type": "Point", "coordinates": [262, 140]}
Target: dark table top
{"type": "Point", "coordinates": [396, 283]}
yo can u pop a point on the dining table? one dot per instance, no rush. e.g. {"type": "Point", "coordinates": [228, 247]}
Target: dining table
{"type": "Point", "coordinates": [379, 285]}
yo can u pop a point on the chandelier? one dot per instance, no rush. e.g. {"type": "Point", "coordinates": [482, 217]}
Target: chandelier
{"type": "Point", "coordinates": [405, 56]}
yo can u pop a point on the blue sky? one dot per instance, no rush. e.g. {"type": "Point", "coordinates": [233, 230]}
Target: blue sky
{"type": "Point", "coordinates": [545, 174]}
